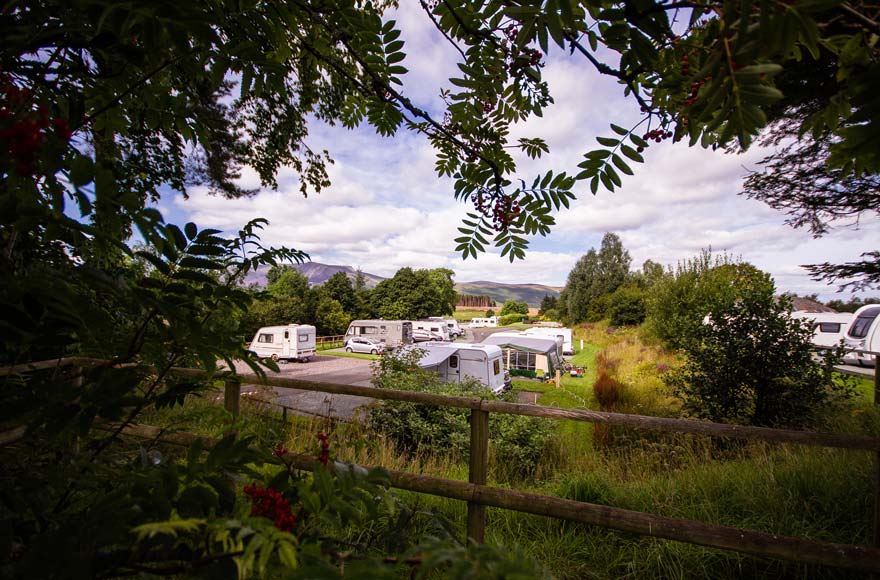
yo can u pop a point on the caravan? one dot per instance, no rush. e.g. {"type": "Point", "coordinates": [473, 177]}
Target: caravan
{"type": "Point", "coordinates": [864, 334]}
{"type": "Point", "coordinates": [391, 333]}
{"type": "Point", "coordinates": [829, 328]}
{"type": "Point", "coordinates": [285, 343]}
{"type": "Point", "coordinates": [436, 329]}
{"type": "Point", "coordinates": [563, 333]}
{"type": "Point", "coordinates": [452, 324]}
{"type": "Point", "coordinates": [457, 361]}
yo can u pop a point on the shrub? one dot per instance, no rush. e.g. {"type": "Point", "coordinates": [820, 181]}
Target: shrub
{"type": "Point", "coordinates": [627, 306]}
{"type": "Point", "coordinates": [607, 390]}
{"type": "Point", "coordinates": [514, 307]}
{"type": "Point", "coordinates": [752, 363]}
{"type": "Point", "coordinates": [490, 313]}
{"type": "Point", "coordinates": [518, 442]}
{"type": "Point", "coordinates": [509, 319]}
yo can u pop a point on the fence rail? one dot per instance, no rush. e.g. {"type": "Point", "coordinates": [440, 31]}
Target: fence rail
{"type": "Point", "coordinates": [326, 342]}
{"type": "Point", "coordinates": [478, 495]}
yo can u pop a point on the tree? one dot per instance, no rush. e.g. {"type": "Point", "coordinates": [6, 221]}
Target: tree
{"type": "Point", "coordinates": [751, 363]}
{"type": "Point", "coordinates": [547, 303]}
{"type": "Point", "coordinates": [330, 317]}
{"type": "Point", "coordinates": [339, 287]}
{"type": "Point", "coordinates": [512, 306]}
{"type": "Point", "coordinates": [414, 294]}
{"type": "Point", "coordinates": [678, 303]}
{"type": "Point", "coordinates": [626, 306]}
{"type": "Point", "coordinates": [853, 304]}
{"type": "Point", "coordinates": [594, 277]}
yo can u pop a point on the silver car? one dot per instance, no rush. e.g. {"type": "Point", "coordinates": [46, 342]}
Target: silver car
{"type": "Point", "coordinates": [365, 345]}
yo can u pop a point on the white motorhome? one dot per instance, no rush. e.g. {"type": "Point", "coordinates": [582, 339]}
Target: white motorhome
{"type": "Point", "coordinates": [456, 361]}
{"type": "Point", "coordinates": [490, 322]}
{"type": "Point", "coordinates": [285, 343]}
{"type": "Point", "coordinates": [864, 334]}
{"type": "Point", "coordinates": [829, 328]}
{"type": "Point", "coordinates": [392, 333]}
{"type": "Point", "coordinates": [452, 324]}
{"type": "Point", "coordinates": [434, 327]}
{"type": "Point", "coordinates": [563, 333]}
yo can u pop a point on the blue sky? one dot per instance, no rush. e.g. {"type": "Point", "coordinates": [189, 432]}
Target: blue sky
{"type": "Point", "coordinates": [387, 208]}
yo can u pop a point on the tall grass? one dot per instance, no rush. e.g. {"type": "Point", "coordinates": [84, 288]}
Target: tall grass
{"type": "Point", "coordinates": [791, 490]}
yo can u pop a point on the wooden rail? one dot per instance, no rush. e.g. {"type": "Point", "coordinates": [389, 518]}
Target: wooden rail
{"type": "Point", "coordinates": [478, 495]}
{"type": "Point", "coordinates": [325, 342]}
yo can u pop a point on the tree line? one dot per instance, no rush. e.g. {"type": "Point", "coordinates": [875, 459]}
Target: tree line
{"type": "Point", "coordinates": [288, 298]}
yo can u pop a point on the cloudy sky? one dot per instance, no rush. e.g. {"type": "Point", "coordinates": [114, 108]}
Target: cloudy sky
{"type": "Point", "coordinates": [387, 208]}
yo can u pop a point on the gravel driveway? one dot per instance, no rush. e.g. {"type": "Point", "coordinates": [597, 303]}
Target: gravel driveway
{"type": "Point", "coordinates": [323, 369]}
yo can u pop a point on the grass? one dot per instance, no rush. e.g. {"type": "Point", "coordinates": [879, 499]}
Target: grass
{"type": "Point", "coordinates": [790, 490]}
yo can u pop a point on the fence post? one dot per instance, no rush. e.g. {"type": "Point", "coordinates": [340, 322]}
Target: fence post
{"type": "Point", "coordinates": [477, 472]}
{"type": "Point", "coordinates": [232, 397]}
{"type": "Point", "coordinates": [877, 460]}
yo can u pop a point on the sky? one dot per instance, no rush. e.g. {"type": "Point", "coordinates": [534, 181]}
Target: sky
{"type": "Point", "coordinates": [386, 207]}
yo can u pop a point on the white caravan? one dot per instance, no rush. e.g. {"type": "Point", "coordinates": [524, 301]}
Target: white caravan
{"type": "Point", "coordinates": [433, 327]}
{"type": "Point", "coordinates": [563, 333]}
{"type": "Point", "coordinates": [490, 322]}
{"type": "Point", "coordinates": [829, 328]}
{"type": "Point", "coordinates": [285, 343]}
{"type": "Point", "coordinates": [455, 361]}
{"type": "Point", "coordinates": [864, 333]}
{"type": "Point", "coordinates": [452, 324]}
{"type": "Point", "coordinates": [392, 333]}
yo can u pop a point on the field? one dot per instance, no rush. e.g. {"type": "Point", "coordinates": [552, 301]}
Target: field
{"type": "Point", "coordinates": [809, 492]}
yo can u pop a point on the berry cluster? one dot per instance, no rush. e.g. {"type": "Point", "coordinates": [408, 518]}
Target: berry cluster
{"type": "Point", "coordinates": [324, 457]}
{"type": "Point", "coordinates": [269, 503]}
{"type": "Point", "coordinates": [502, 209]}
{"type": "Point", "coordinates": [685, 65]}
{"type": "Point", "coordinates": [23, 129]}
{"type": "Point", "coordinates": [695, 90]}
{"type": "Point", "coordinates": [280, 451]}
{"type": "Point", "coordinates": [657, 135]}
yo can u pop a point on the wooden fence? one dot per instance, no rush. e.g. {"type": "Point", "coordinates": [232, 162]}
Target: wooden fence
{"type": "Point", "coordinates": [479, 496]}
{"type": "Point", "coordinates": [326, 342]}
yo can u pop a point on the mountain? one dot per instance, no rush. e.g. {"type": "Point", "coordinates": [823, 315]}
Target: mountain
{"type": "Point", "coordinates": [530, 293]}
{"type": "Point", "coordinates": [318, 273]}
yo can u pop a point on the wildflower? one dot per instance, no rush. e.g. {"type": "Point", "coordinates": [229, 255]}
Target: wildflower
{"type": "Point", "coordinates": [269, 503]}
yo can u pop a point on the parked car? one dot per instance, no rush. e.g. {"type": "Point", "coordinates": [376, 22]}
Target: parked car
{"type": "Point", "coordinates": [422, 335]}
{"type": "Point", "coordinates": [365, 345]}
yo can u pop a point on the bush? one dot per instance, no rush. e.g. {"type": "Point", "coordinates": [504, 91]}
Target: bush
{"type": "Point", "coordinates": [514, 307]}
{"type": "Point", "coordinates": [752, 363]}
{"type": "Point", "coordinates": [490, 313]}
{"type": "Point", "coordinates": [509, 319]}
{"type": "Point", "coordinates": [518, 442]}
{"type": "Point", "coordinates": [627, 306]}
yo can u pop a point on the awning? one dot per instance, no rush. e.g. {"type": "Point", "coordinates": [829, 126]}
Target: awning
{"type": "Point", "coordinates": [434, 357]}
{"type": "Point", "coordinates": [524, 343]}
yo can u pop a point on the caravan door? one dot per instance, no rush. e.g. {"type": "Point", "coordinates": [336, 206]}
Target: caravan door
{"type": "Point", "coordinates": [285, 344]}
{"type": "Point", "coordinates": [453, 369]}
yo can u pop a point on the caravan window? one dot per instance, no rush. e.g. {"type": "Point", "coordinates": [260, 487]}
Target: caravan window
{"type": "Point", "coordinates": [829, 327]}
{"type": "Point", "coordinates": [453, 361]}
{"type": "Point", "coordinates": [286, 335]}
{"type": "Point", "coordinates": [368, 330]}
{"type": "Point", "coordinates": [303, 337]}
{"type": "Point", "coordinates": [863, 323]}
{"type": "Point", "coordinates": [265, 338]}
{"type": "Point", "coordinates": [496, 366]}
{"type": "Point", "coordinates": [383, 329]}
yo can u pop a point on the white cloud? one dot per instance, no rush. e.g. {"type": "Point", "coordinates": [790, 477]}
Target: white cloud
{"type": "Point", "coordinates": [387, 208]}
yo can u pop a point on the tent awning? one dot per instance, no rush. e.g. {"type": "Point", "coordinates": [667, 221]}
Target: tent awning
{"type": "Point", "coordinates": [434, 357]}
{"type": "Point", "coordinates": [525, 343]}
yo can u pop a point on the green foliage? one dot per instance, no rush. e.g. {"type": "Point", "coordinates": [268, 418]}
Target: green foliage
{"type": "Point", "coordinates": [339, 287]}
{"type": "Point", "coordinates": [414, 294]}
{"type": "Point", "coordinates": [752, 363]}
{"type": "Point", "coordinates": [548, 303]}
{"type": "Point", "coordinates": [851, 305]}
{"type": "Point", "coordinates": [330, 317]}
{"type": "Point", "coordinates": [678, 303]}
{"type": "Point", "coordinates": [627, 306]}
{"type": "Point", "coordinates": [517, 442]}
{"type": "Point", "coordinates": [509, 319]}
{"type": "Point", "coordinates": [490, 313]}
{"type": "Point", "coordinates": [514, 307]}
{"type": "Point", "coordinates": [594, 277]}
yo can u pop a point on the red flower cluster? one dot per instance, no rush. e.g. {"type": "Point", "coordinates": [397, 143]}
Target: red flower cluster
{"type": "Point", "coordinates": [23, 130]}
{"type": "Point", "coordinates": [269, 503]}
{"type": "Point", "coordinates": [325, 448]}
{"type": "Point", "coordinates": [280, 451]}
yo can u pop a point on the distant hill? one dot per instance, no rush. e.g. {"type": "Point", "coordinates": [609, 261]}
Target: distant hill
{"type": "Point", "coordinates": [318, 273]}
{"type": "Point", "coordinates": [529, 293]}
